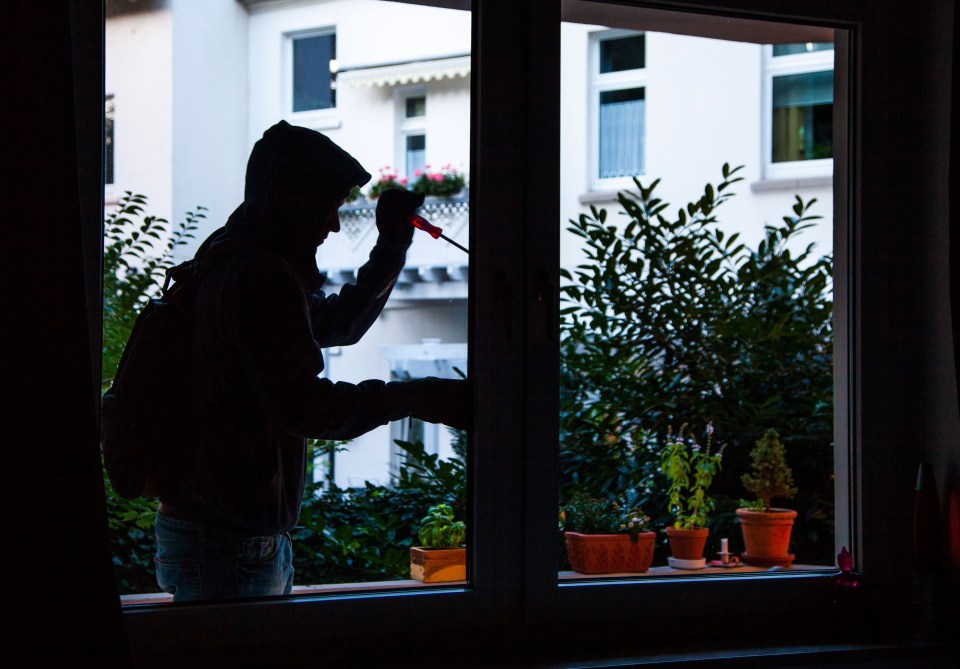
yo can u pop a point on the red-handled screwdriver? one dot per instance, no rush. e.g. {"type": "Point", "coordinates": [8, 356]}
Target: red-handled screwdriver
{"type": "Point", "coordinates": [421, 223]}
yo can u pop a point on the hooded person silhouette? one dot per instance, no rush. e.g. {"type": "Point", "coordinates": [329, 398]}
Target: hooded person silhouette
{"type": "Point", "coordinates": [261, 322]}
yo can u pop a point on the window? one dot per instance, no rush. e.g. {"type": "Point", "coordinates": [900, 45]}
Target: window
{"type": "Point", "coordinates": [618, 100]}
{"type": "Point", "coordinates": [799, 109]}
{"type": "Point", "coordinates": [108, 168]}
{"type": "Point", "coordinates": [412, 129]}
{"type": "Point", "coordinates": [514, 460]}
{"type": "Point", "coordinates": [314, 72]}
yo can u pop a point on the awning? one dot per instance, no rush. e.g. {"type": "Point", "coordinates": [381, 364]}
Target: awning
{"type": "Point", "coordinates": [401, 74]}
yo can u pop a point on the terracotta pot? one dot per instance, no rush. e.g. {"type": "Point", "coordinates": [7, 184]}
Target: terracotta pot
{"type": "Point", "coordinates": [766, 536]}
{"type": "Point", "coordinates": [687, 544]}
{"type": "Point", "coordinates": [609, 553]}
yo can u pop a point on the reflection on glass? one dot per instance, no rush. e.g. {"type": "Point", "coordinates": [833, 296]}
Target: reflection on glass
{"type": "Point", "coordinates": [803, 47]}
{"type": "Point", "coordinates": [803, 116]}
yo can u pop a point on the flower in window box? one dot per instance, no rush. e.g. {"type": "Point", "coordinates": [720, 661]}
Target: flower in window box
{"type": "Point", "coordinates": [389, 178]}
{"type": "Point", "coordinates": [445, 182]}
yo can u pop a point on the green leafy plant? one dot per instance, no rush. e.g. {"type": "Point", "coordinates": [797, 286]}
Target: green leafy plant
{"type": "Point", "coordinates": [438, 529]}
{"type": "Point", "coordinates": [670, 318]}
{"type": "Point", "coordinates": [690, 470]}
{"type": "Point", "coordinates": [770, 476]}
{"type": "Point", "coordinates": [592, 515]}
{"type": "Point", "coordinates": [444, 182]}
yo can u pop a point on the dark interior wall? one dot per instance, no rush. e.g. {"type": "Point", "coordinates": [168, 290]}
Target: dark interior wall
{"type": "Point", "coordinates": [58, 580]}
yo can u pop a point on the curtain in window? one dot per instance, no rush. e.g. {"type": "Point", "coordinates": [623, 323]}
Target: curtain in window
{"type": "Point", "coordinates": [621, 133]}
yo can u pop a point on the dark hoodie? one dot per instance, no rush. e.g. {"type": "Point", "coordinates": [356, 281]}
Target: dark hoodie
{"type": "Point", "coordinates": [261, 323]}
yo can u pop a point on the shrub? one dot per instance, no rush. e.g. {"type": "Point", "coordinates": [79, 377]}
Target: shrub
{"type": "Point", "coordinates": [670, 319]}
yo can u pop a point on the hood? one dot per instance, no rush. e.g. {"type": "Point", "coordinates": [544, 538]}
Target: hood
{"type": "Point", "coordinates": [294, 176]}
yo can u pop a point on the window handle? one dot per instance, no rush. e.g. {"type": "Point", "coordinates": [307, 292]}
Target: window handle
{"type": "Point", "coordinates": [546, 298]}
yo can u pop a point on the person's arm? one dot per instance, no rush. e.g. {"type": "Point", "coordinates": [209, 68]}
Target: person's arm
{"type": "Point", "coordinates": [268, 317]}
{"type": "Point", "coordinates": [341, 320]}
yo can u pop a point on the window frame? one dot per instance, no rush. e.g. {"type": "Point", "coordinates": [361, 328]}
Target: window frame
{"type": "Point", "coordinates": [778, 66]}
{"type": "Point", "coordinates": [513, 287]}
{"type": "Point", "coordinates": [319, 119]}
{"type": "Point", "coordinates": [603, 83]}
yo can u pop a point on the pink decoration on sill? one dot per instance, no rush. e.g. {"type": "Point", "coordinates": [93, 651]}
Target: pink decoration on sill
{"type": "Point", "coordinates": [845, 578]}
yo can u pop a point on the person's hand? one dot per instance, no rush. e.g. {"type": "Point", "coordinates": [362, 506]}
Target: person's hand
{"type": "Point", "coordinates": [394, 206]}
{"type": "Point", "coordinates": [446, 401]}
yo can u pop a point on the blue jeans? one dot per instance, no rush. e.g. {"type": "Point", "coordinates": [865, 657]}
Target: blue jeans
{"type": "Point", "coordinates": [196, 561]}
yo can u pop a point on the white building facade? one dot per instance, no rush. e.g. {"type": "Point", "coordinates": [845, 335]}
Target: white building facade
{"type": "Point", "coordinates": [193, 85]}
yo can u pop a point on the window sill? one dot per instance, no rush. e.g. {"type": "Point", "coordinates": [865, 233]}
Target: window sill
{"type": "Point", "coordinates": [602, 196]}
{"type": "Point", "coordinates": [664, 572]}
{"type": "Point", "coordinates": [765, 185]}
{"type": "Point", "coordinates": [300, 590]}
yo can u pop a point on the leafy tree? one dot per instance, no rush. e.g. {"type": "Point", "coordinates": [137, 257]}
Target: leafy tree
{"type": "Point", "coordinates": [670, 320]}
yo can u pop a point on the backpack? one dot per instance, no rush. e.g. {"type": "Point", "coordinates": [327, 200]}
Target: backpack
{"type": "Point", "coordinates": [148, 426]}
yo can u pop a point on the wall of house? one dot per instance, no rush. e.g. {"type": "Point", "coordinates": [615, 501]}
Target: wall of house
{"type": "Point", "coordinates": [139, 74]}
{"type": "Point", "coordinates": [703, 109]}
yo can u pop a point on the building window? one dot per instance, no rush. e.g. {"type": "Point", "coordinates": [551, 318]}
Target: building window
{"type": "Point", "coordinates": [618, 99]}
{"type": "Point", "coordinates": [108, 111]}
{"type": "Point", "coordinates": [416, 153]}
{"type": "Point", "coordinates": [799, 86]}
{"type": "Point", "coordinates": [315, 72]}
{"type": "Point", "coordinates": [411, 129]}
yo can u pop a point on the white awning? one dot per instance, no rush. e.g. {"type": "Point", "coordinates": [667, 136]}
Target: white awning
{"type": "Point", "coordinates": [402, 74]}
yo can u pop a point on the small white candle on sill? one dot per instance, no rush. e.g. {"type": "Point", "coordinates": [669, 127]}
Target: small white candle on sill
{"type": "Point", "coordinates": [724, 551]}
{"type": "Point", "coordinates": [723, 546]}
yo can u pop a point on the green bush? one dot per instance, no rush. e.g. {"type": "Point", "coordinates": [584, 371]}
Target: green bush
{"type": "Point", "coordinates": [670, 320]}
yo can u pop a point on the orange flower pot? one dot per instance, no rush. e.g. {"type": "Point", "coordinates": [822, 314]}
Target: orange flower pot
{"type": "Point", "coordinates": [609, 553]}
{"type": "Point", "coordinates": [766, 536]}
{"type": "Point", "coordinates": [687, 544]}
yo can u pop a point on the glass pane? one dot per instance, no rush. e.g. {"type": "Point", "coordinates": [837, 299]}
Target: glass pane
{"type": "Point", "coordinates": [692, 322]}
{"type": "Point", "coordinates": [624, 53]}
{"type": "Point", "coordinates": [803, 116]}
{"type": "Point", "coordinates": [801, 47]}
{"type": "Point", "coordinates": [416, 153]}
{"type": "Point", "coordinates": [416, 106]}
{"type": "Point", "coordinates": [313, 81]}
{"type": "Point", "coordinates": [621, 133]}
{"type": "Point", "coordinates": [363, 500]}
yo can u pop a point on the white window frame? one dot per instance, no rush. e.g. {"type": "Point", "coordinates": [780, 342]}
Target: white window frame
{"type": "Point", "coordinates": [777, 66]}
{"type": "Point", "coordinates": [408, 126]}
{"type": "Point", "coordinates": [319, 119]}
{"type": "Point", "coordinates": [611, 81]}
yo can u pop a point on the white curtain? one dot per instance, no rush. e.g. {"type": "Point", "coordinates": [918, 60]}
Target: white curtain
{"type": "Point", "coordinates": [621, 138]}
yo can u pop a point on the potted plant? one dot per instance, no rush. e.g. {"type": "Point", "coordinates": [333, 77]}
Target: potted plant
{"type": "Point", "coordinates": [766, 530]}
{"type": "Point", "coordinates": [440, 555]}
{"type": "Point", "coordinates": [690, 470]}
{"type": "Point", "coordinates": [605, 537]}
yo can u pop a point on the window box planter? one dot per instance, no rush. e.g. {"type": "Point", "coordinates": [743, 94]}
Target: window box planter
{"type": "Point", "coordinates": [436, 565]}
{"type": "Point", "coordinates": [609, 553]}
